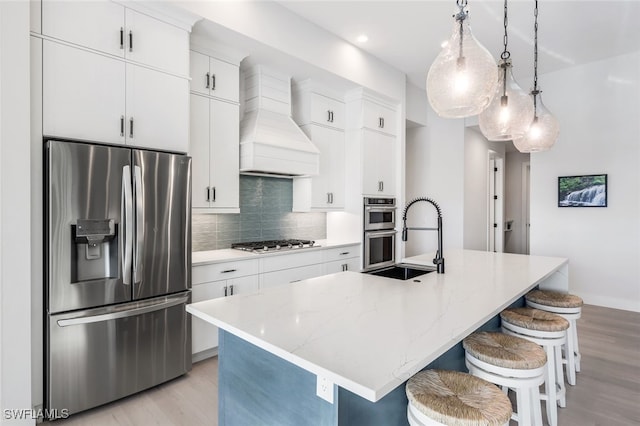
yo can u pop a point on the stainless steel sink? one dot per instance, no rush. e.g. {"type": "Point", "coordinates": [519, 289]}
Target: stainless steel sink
{"type": "Point", "coordinates": [402, 271]}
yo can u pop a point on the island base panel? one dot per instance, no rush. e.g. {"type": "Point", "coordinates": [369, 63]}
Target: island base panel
{"type": "Point", "coordinates": [256, 387]}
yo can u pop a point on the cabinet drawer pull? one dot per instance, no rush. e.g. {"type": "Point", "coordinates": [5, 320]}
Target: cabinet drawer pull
{"type": "Point", "coordinates": [121, 38]}
{"type": "Point", "coordinates": [207, 80]}
{"type": "Point", "coordinates": [344, 253]}
{"type": "Point", "coordinates": [130, 41]}
{"type": "Point", "coordinates": [122, 125]}
{"type": "Point", "coordinates": [213, 82]}
{"type": "Point", "coordinates": [226, 271]}
{"type": "Point", "coordinates": [294, 281]}
{"type": "Point", "coordinates": [131, 127]}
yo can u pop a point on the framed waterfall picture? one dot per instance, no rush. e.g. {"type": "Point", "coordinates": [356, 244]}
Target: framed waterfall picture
{"type": "Point", "coordinates": [582, 191]}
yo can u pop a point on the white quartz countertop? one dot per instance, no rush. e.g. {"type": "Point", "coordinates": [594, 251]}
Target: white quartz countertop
{"type": "Point", "coordinates": [370, 334]}
{"type": "Point", "coordinates": [226, 255]}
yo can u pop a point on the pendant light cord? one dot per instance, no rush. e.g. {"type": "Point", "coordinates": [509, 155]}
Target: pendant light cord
{"type": "Point", "coordinates": [460, 17]}
{"type": "Point", "coordinates": [505, 58]}
{"type": "Point", "coordinates": [535, 90]}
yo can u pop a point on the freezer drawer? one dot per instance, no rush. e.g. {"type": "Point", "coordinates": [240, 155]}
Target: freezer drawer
{"type": "Point", "coordinates": [99, 355]}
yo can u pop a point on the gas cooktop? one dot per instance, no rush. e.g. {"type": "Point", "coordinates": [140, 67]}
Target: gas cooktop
{"type": "Point", "coordinates": [273, 245]}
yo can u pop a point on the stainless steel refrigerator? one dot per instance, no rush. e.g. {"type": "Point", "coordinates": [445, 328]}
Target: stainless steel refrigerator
{"type": "Point", "coordinates": [117, 271]}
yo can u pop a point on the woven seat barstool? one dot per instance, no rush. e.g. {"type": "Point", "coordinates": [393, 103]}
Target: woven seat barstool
{"type": "Point", "coordinates": [549, 331]}
{"type": "Point", "coordinates": [452, 398]}
{"type": "Point", "coordinates": [512, 363]}
{"type": "Point", "coordinates": [569, 307]}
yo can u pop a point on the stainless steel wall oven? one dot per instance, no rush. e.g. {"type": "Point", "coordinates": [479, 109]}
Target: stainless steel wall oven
{"type": "Point", "coordinates": [379, 239]}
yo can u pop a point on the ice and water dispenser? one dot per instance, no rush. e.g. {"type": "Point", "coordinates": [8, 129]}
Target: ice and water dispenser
{"type": "Point", "coordinates": [96, 250]}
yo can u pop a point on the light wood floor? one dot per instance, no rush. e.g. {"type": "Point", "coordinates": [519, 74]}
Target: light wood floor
{"type": "Point", "coordinates": [607, 391]}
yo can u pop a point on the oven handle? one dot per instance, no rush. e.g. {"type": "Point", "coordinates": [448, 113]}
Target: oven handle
{"type": "Point", "coordinates": [379, 209]}
{"type": "Point", "coordinates": [373, 234]}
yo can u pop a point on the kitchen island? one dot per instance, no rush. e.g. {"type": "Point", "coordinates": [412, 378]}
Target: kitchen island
{"type": "Point", "coordinates": [338, 349]}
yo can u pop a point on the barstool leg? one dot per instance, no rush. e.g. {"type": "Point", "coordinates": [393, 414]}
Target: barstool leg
{"type": "Point", "coordinates": [562, 401]}
{"type": "Point", "coordinates": [576, 346]}
{"type": "Point", "coordinates": [570, 355]}
{"type": "Point", "coordinates": [534, 394]}
{"type": "Point", "coordinates": [524, 409]}
{"type": "Point", "coordinates": [550, 387]}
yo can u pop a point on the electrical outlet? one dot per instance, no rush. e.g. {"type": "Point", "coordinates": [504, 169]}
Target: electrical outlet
{"type": "Point", "coordinates": [324, 389]}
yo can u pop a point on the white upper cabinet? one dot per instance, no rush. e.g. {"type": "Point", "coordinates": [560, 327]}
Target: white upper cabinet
{"type": "Point", "coordinates": [372, 139]}
{"type": "Point", "coordinates": [215, 135]}
{"type": "Point", "coordinates": [213, 77]}
{"type": "Point", "coordinates": [321, 115]}
{"type": "Point", "coordinates": [378, 153]}
{"type": "Point", "coordinates": [379, 117]}
{"type": "Point", "coordinates": [113, 74]}
{"type": "Point", "coordinates": [83, 94]}
{"type": "Point", "coordinates": [97, 25]}
{"type": "Point", "coordinates": [111, 28]}
{"type": "Point", "coordinates": [157, 106]}
{"type": "Point", "coordinates": [93, 97]}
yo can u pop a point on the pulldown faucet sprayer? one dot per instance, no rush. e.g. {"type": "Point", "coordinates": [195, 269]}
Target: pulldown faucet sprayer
{"type": "Point", "coordinates": [439, 259]}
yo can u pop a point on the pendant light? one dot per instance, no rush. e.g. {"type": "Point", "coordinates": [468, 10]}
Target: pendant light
{"type": "Point", "coordinates": [463, 76]}
{"type": "Point", "coordinates": [544, 129]}
{"type": "Point", "coordinates": [510, 113]}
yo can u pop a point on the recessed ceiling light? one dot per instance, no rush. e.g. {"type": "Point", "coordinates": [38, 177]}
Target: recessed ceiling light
{"type": "Point", "coordinates": [444, 44]}
{"type": "Point", "coordinates": [362, 38]}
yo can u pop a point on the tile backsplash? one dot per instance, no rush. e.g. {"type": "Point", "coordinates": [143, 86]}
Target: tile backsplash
{"type": "Point", "coordinates": [265, 214]}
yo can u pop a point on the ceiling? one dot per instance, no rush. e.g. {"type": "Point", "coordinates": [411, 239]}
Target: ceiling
{"type": "Point", "coordinates": [408, 34]}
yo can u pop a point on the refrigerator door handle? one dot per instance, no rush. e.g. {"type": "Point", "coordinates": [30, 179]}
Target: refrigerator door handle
{"type": "Point", "coordinates": [138, 251]}
{"type": "Point", "coordinates": [126, 236]}
{"type": "Point", "coordinates": [167, 303]}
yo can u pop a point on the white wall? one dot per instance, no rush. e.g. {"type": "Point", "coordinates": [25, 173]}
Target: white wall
{"type": "Point", "coordinates": [435, 169]}
{"type": "Point", "coordinates": [15, 320]}
{"type": "Point", "coordinates": [417, 104]}
{"type": "Point", "coordinates": [514, 241]}
{"type": "Point", "coordinates": [598, 106]}
{"type": "Point", "coordinates": [476, 172]}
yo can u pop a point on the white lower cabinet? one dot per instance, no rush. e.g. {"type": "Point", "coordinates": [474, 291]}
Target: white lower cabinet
{"type": "Point", "coordinates": [218, 280]}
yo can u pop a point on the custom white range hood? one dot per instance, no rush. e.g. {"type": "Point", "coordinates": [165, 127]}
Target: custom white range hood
{"type": "Point", "coordinates": [270, 141]}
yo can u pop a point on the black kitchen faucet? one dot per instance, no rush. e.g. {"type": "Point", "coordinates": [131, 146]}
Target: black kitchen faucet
{"type": "Point", "coordinates": [439, 259]}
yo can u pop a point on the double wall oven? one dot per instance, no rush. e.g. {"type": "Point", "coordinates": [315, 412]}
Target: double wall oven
{"type": "Point", "coordinates": [379, 232]}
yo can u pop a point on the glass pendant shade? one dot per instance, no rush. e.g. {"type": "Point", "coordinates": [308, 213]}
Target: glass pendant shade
{"type": "Point", "coordinates": [463, 77]}
{"type": "Point", "coordinates": [542, 133]}
{"type": "Point", "coordinates": [510, 113]}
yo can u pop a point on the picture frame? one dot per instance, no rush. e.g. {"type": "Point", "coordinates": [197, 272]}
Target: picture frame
{"type": "Point", "coordinates": [583, 191]}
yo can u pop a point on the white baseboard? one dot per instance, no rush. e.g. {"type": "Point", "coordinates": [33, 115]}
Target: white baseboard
{"type": "Point", "coordinates": [610, 302]}
{"type": "Point", "coordinates": [202, 355]}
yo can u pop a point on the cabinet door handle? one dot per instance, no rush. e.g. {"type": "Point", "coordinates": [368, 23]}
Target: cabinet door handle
{"type": "Point", "coordinates": [130, 41]}
{"type": "Point", "coordinates": [332, 116]}
{"type": "Point", "coordinates": [214, 194]}
{"type": "Point", "coordinates": [131, 127]}
{"type": "Point", "coordinates": [121, 38]}
{"type": "Point", "coordinates": [380, 186]}
{"type": "Point", "coordinates": [332, 198]}
{"type": "Point", "coordinates": [226, 271]}
{"type": "Point", "coordinates": [122, 125]}
{"type": "Point", "coordinates": [208, 194]}
{"type": "Point", "coordinates": [382, 118]}
{"type": "Point", "coordinates": [345, 267]}
{"type": "Point", "coordinates": [225, 291]}
{"type": "Point", "coordinates": [213, 82]}
{"type": "Point", "coordinates": [208, 83]}
{"type": "Point", "coordinates": [328, 116]}
{"type": "Point", "coordinates": [231, 289]}
{"type": "Point", "coordinates": [328, 198]}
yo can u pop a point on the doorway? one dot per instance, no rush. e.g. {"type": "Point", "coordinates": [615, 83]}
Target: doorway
{"type": "Point", "coordinates": [495, 202]}
{"type": "Point", "coordinates": [526, 216]}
